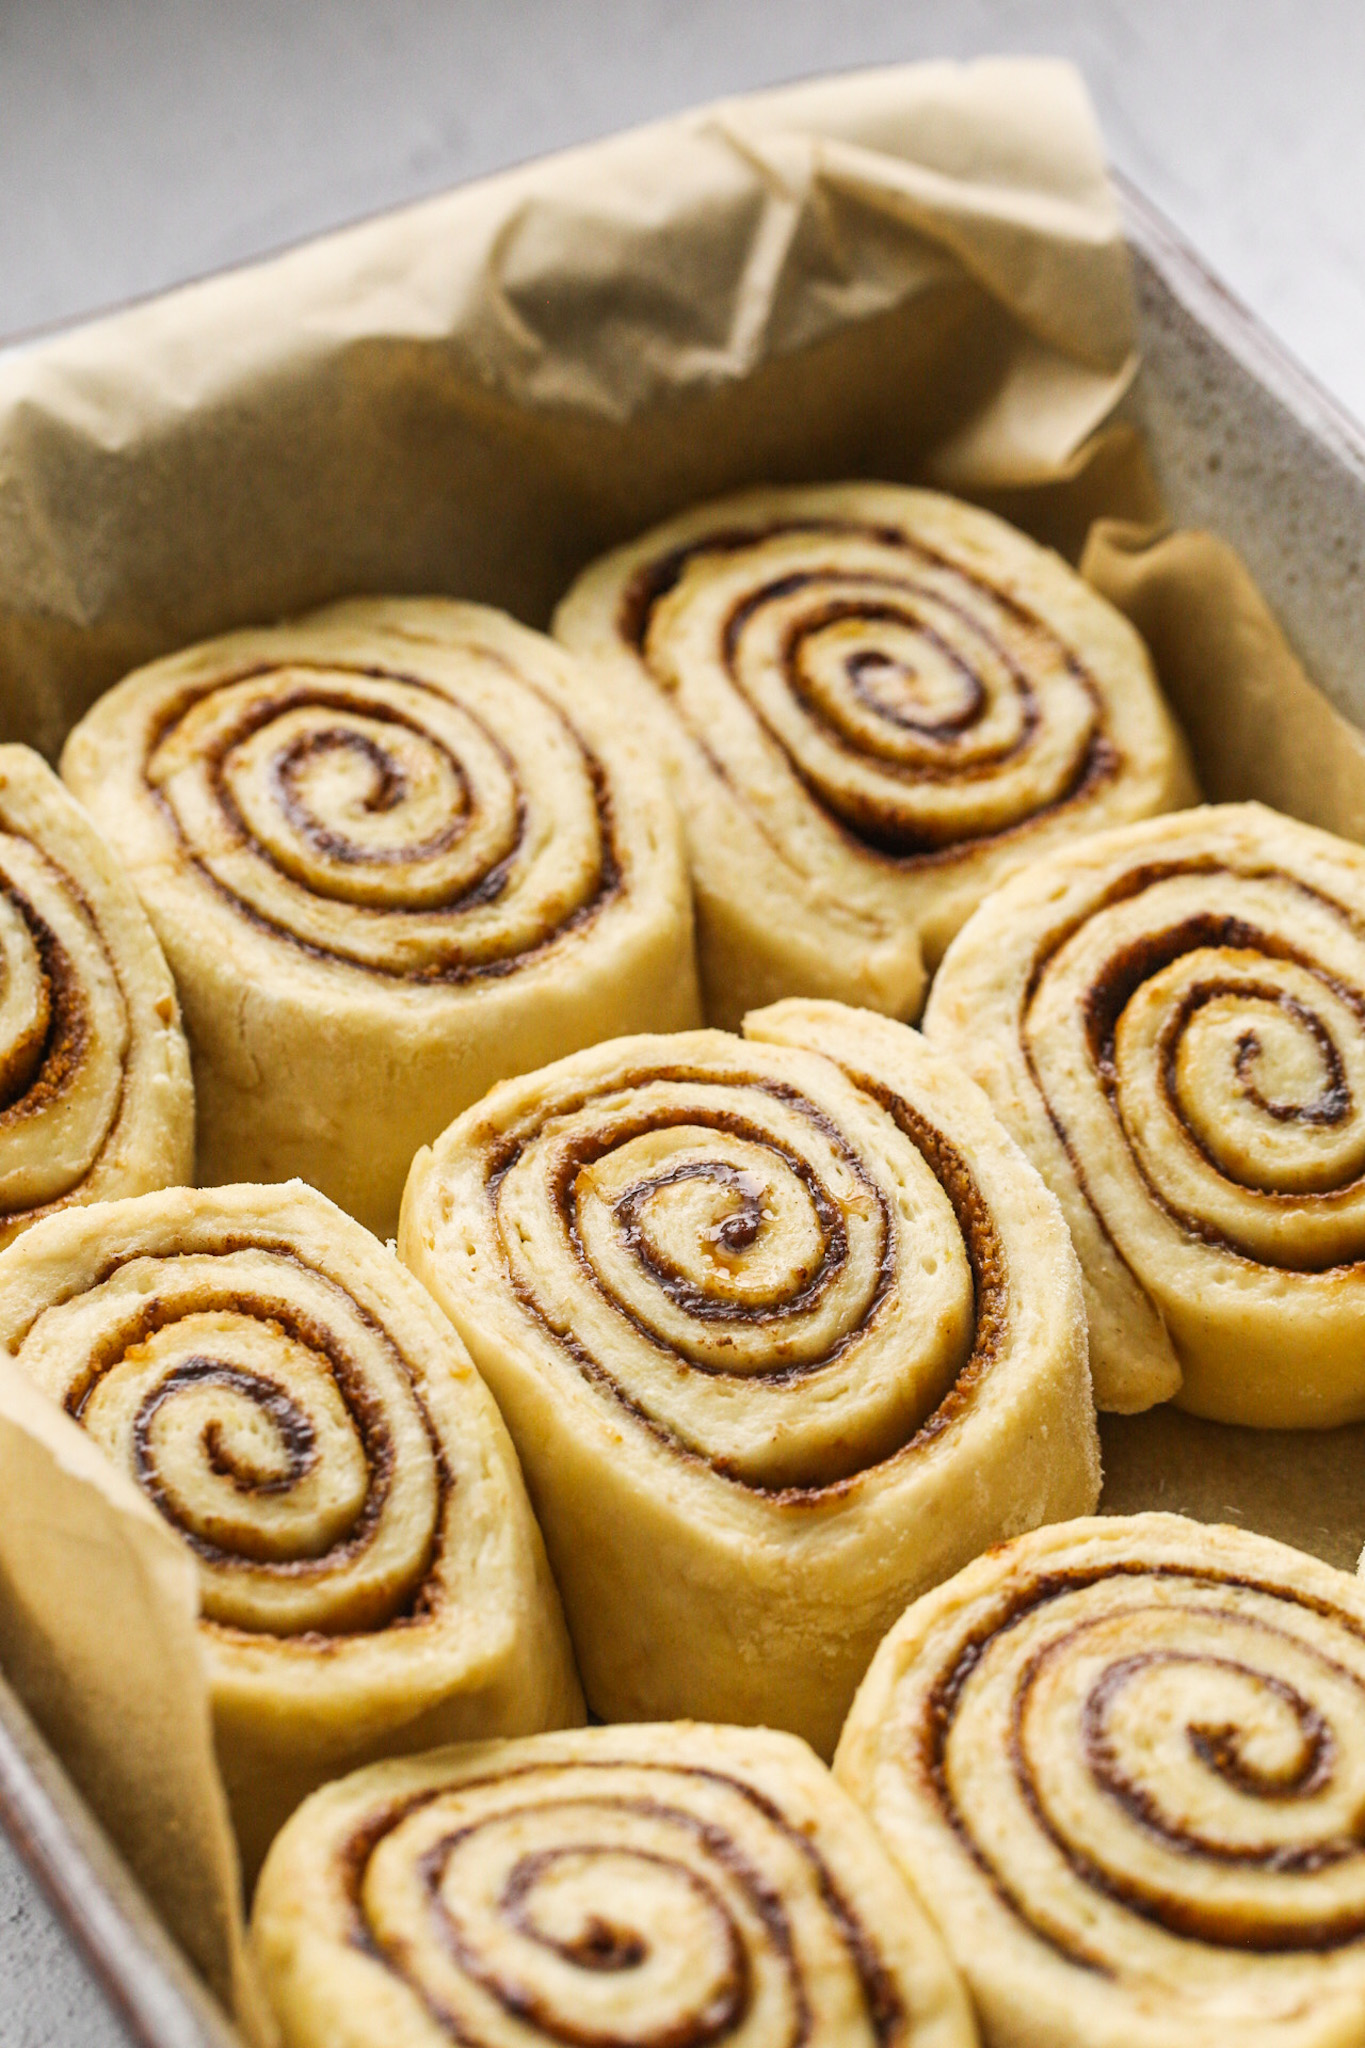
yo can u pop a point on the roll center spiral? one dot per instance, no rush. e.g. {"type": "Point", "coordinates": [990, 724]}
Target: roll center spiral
{"type": "Point", "coordinates": [618, 1905]}
{"type": "Point", "coordinates": [917, 703]}
{"type": "Point", "coordinates": [716, 1224]}
{"type": "Point", "coordinates": [232, 1447]}
{"type": "Point", "coordinates": [1302, 1067]}
{"type": "Point", "coordinates": [241, 1436]}
{"type": "Point", "coordinates": [270, 1421]}
{"type": "Point", "coordinates": [528, 1905]}
{"type": "Point", "coordinates": [64, 1033]}
{"type": "Point", "coordinates": [938, 697]}
{"type": "Point", "coordinates": [1263, 1739]}
{"type": "Point", "coordinates": [371, 802]}
{"type": "Point", "coordinates": [722, 1240]}
{"type": "Point", "coordinates": [1186, 1753]}
{"type": "Point", "coordinates": [1229, 1044]}
{"type": "Point", "coordinates": [25, 1002]}
{"type": "Point", "coordinates": [544, 1899]}
{"type": "Point", "coordinates": [359, 793]}
{"type": "Point", "coordinates": [424, 826]}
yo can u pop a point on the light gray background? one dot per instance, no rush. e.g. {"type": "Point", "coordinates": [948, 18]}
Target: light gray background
{"type": "Point", "coordinates": [143, 142]}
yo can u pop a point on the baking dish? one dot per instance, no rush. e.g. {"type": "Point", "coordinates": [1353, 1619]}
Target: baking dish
{"type": "Point", "coordinates": [1242, 442]}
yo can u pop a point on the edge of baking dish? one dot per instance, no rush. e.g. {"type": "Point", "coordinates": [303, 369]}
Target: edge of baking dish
{"type": "Point", "coordinates": [155, 1992]}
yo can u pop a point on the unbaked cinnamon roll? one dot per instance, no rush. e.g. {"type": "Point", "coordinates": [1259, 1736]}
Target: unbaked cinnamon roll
{"type": "Point", "coordinates": [658, 1887]}
{"type": "Point", "coordinates": [1123, 1764]}
{"type": "Point", "coordinates": [291, 1402]}
{"type": "Point", "coordinates": [1171, 1021]}
{"type": "Point", "coordinates": [394, 852]}
{"type": "Point", "coordinates": [784, 1328]}
{"type": "Point", "coordinates": [876, 703]}
{"type": "Point", "coordinates": [95, 1091]}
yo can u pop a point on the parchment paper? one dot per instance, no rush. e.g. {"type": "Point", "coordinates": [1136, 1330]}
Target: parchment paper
{"type": "Point", "coordinates": [1257, 726]}
{"type": "Point", "coordinates": [915, 273]}
{"type": "Point", "coordinates": [98, 1634]}
{"type": "Point", "coordinates": [478, 394]}
{"type": "Point", "coordinates": [1303, 1486]}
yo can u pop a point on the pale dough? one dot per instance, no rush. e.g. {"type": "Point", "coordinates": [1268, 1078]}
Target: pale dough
{"type": "Point", "coordinates": [876, 703]}
{"type": "Point", "coordinates": [785, 1328]}
{"type": "Point", "coordinates": [1121, 1762]}
{"type": "Point", "coordinates": [96, 1098]}
{"type": "Point", "coordinates": [1170, 1018]}
{"type": "Point", "coordinates": [372, 1580]}
{"type": "Point", "coordinates": [394, 852]}
{"type": "Point", "coordinates": [643, 1887]}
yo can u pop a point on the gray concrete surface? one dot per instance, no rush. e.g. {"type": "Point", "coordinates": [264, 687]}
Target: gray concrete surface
{"type": "Point", "coordinates": [46, 1995]}
{"type": "Point", "coordinates": [146, 141]}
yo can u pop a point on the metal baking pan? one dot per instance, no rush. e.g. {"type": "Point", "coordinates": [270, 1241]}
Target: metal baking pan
{"type": "Point", "coordinates": [1243, 442]}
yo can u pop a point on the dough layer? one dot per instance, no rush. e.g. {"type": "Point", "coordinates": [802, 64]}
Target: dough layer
{"type": "Point", "coordinates": [394, 852]}
{"type": "Point", "coordinates": [647, 1887]}
{"type": "Point", "coordinates": [1171, 1021]}
{"type": "Point", "coordinates": [287, 1397]}
{"type": "Point", "coordinates": [876, 703]}
{"type": "Point", "coordinates": [95, 1092]}
{"type": "Point", "coordinates": [784, 1328]}
{"type": "Point", "coordinates": [1122, 1763]}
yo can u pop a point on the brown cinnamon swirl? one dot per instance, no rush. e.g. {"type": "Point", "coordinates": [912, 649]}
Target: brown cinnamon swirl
{"type": "Point", "coordinates": [1123, 1762]}
{"type": "Point", "coordinates": [95, 1091]}
{"type": "Point", "coordinates": [294, 1406]}
{"type": "Point", "coordinates": [876, 703]}
{"type": "Point", "coordinates": [656, 1887]}
{"type": "Point", "coordinates": [394, 852]}
{"type": "Point", "coordinates": [784, 1328]}
{"type": "Point", "coordinates": [1171, 1021]}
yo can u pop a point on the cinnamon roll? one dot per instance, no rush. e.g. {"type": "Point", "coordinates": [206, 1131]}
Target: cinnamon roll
{"type": "Point", "coordinates": [394, 852]}
{"type": "Point", "coordinates": [1171, 1021]}
{"type": "Point", "coordinates": [291, 1402]}
{"type": "Point", "coordinates": [95, 1091]}
{"type": "Point", "coordinates": [876, 703]}
{"type": "Point", "coordinates": [662, 1887]}
{"type": "Point", "coordinates": [784, 1328]}
{"type": "Point", "coordinates": [1122, 1762]}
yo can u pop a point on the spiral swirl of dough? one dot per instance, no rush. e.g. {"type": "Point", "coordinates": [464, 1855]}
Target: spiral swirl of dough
{"type": "Point", "coordinates": [374, 817]}
{"type": "Point", "coordinates": [394, 852]}
{"type": "Point", "coordinates": [289, 1403]}
{"type": "Point", "coordinates": [272, 1423]}
{"type": "Point", "coordinates": [95, 1092]}
{"type": "Point", "coordinates": [883, 700]}
{"type": "Point", "coordinates": [1172, 1023]}
{"type": "Point", "coordinates": [775, 1274]}
{"type": "Point", "coordinates": [663, 1887]}
{"type": "Point", "coordinates": [1125, 1763]}
{"type": "Point", "coordinates": [715, 1218]}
